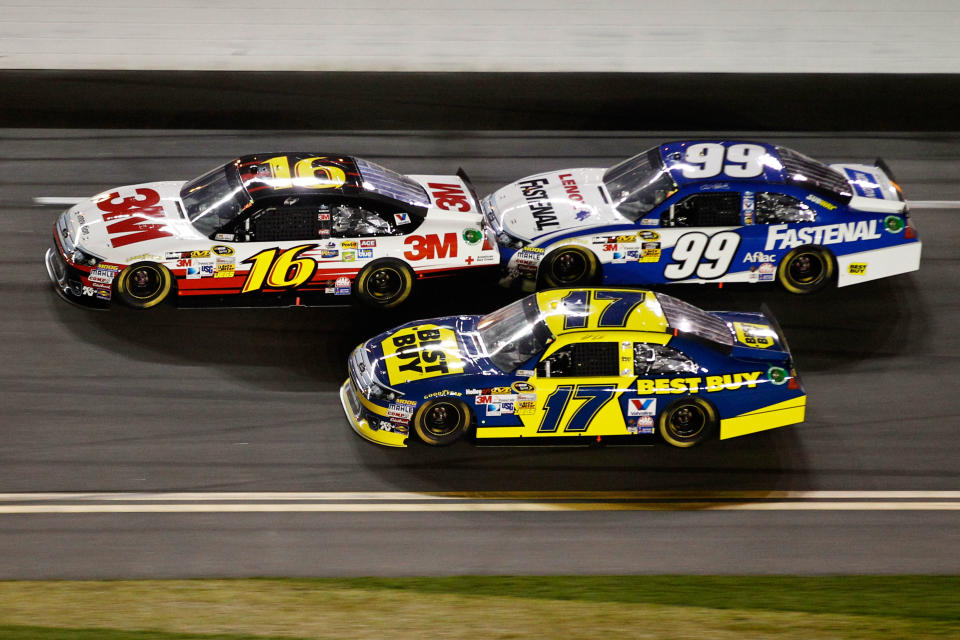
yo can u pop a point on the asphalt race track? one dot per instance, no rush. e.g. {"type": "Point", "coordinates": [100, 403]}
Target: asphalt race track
{"type": "Point", "coordinates": [202, 402]}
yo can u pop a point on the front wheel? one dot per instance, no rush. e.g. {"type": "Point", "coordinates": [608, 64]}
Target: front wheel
{"type": "Point", "coordinates": [687, 422]}
{"type": "Point", "coordinates": [384, 283]}
{"type": "Point", "coordinates": [442, 421]}
{"type": "Point", "coordinates": [806, 269]}
{"type": "Point", "coordinates": [144, 284]}
{"type": "Point", "coordinates": [569, 267]}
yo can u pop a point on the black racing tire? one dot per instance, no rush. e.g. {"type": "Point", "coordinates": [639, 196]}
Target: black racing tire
{"type": "Point", "coordinates": [806, 269]}
{"type": "Point", "coordinates": [384, 283]}
{"type": "Point", "coordinates": [569, 267]}
{"type": "Point", "coordinates": [442, 421]}
{"type": "Point", "coordinates": [143, 285]}
{"type": "Point", "coordinates": [687, 422]}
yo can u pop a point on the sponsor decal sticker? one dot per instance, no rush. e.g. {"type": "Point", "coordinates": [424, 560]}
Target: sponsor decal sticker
{"type": "Point", "coordinates": [364, 253]}
{"type": "Point", "coordinates": [329, 253]}
{"type": "Point", "coordinates": [221, 250]}
{"type": "Point", "coordinates": [782, 236]}
{"type": "Point", "coordinates": [422, 351]}
{"type": "Point", "coordinates": [893, 224]}
{"type": "Point", "coordinates": [401, 218]}
{"type": "Point", "coordinates": [710, 384]}
{"type": "Point", "coordinates": [349, 244]}
{"type": "Point", "coordinates": [641, 407]}
{"type": "Point", "coordinates": [857, 268]}
{"type": "Point", "coordinates": [777, 375]}
{"type": "Point", "coordinates": [368, 244]}
{"type": "Point", "coordinates": [540, 207]}
{"type": "Point", "coordinates": [758, 256]}
{"type": "Point", "coordinates": [766, 271]}
{"type": "Point", "coordinates": [759, 336]}
{"type": "Point", "coordinates": [349, 256]}
{"type": "Point", "coordinates": [829, 206]}
{"type": "Point", "coordinates": [341, 286]}
{"type": "Point", "coordinates": [472, 236]}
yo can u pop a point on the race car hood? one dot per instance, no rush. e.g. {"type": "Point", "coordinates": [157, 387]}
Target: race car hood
{"type": "Point", "coordinates": [426, 350]}
{"type": "Point", "coordinates": [132, 219]}
{"type": "Point", "coordinates": [545, 202]}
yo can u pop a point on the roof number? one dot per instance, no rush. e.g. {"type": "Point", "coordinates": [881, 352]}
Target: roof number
{"type": "Point", "coordinates": [709, 159]}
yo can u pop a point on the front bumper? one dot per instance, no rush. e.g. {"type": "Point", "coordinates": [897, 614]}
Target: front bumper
{"type": "Point", "coordinates": [362, 413]}
{"type": "Point", "coordinates": [68, 282]}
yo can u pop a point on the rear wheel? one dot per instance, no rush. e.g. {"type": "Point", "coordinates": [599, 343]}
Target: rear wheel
{"type": "Point", "coordinates": [687, 422]}
{"type": "Point", "coordinates": [569, 267]}
{"type": "Point", "coordinates": [806, 269]}
{"type": "Point", "coordinates": [144, 284]}
{"type": "Point", "coordinates": [442, 421]}
{"type": "Point", "coordinates": [384, 283]}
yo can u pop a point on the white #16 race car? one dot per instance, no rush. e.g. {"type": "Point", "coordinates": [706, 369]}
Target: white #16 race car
{"type": "Point", "coordinates": [270, 229]}
{"type": "Point", "coordinates": [705, 211]}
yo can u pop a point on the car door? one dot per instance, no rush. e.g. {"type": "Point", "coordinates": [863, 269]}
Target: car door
{"type": "Point", "coordinates": [700, 230]}
{"type": "Point", "coordinates": [577, 384]}
{"type": "Point", "coordinates": [279, 243]}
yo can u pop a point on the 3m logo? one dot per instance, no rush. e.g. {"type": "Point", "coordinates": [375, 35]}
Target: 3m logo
{"type": "Point", "coordinates": [430, 247]}
{"type": "Point", "coordinates": [449, 196]}
{"type": "Point", "coordinates": [132, 217]}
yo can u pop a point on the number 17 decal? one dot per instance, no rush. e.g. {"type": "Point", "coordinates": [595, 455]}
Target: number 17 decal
{"type": "Point", "coordinates": [717, 251]}
{"type": "Point", "coordinates": [596, 396]}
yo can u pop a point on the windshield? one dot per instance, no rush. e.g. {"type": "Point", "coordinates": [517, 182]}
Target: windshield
{"type": "Point", "coordinates": [514, 334]}
{"type": "Point", "coordinates": [213, 199]}
{"type": "Point", "coordinates": [687, 318]}
{"type": "Point", "coordinates": [639, 184]}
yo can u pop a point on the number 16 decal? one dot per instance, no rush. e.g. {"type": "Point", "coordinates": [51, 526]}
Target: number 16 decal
{"type": "Point", "coordinates": [286, 271]}
{"type": "Point", "coordinates": [717, 251]}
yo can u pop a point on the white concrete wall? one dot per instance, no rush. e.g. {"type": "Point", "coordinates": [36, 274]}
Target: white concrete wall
{"type": "Point", "coordinates": [491, 35]}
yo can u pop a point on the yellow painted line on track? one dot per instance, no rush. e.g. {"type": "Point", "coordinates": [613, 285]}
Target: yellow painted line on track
{"type": "Point", "coordinates": [402, 496]}
{"type": "Point", "coordinates": [385, 507]}
{"type": "Point", "coordinates": [485, 501]}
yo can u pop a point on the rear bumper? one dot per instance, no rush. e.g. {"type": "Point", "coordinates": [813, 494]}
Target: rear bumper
{"type": "Point", "coordinates": [776, 415]}
{"type": "Point", "coordinates": [878, 263]}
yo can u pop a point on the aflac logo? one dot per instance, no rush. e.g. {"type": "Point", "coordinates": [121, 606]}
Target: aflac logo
{"type": "Point", "coordinates": [758, 256]}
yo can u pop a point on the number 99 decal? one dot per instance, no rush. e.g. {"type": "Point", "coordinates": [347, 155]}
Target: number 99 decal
{"type": "Point", "coordinates": [716, 253]}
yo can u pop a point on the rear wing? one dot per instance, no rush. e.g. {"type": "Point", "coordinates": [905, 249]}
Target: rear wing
{"type": "Point", "coordinates": [772, 319]}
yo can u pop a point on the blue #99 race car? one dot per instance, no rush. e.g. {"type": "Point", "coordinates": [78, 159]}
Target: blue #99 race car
{"type": "Point", "coordinates": [575, 366]}
{"type": "Point", "coordinates": [705, 211]}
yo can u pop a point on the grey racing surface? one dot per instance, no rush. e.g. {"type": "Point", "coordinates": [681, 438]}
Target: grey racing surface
{"type": "Point", "coordinates": [245, 400]}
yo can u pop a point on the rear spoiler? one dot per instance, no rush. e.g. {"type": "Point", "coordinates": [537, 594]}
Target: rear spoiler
{"type": "Point", "coordinates": [881, 164]}
{"type": "Point", "coordinates": [466, 180]}
{"type": "Point", "coordinates": [765, 310]}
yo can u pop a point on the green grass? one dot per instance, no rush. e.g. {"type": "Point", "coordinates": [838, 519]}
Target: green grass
{"type": "Point", "coordinates": [861, 607]}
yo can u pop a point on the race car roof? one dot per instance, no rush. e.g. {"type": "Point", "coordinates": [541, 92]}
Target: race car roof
{"type": "Point", "coordinates": [302, 173]}
{"type": "Point", "coordinates": [780, 165]}
{"type": "Point", "coordinates": [566, 310]}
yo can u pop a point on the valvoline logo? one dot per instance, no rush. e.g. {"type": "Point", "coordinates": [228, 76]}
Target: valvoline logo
{"type": "Point", "coordinates": [642, 407]}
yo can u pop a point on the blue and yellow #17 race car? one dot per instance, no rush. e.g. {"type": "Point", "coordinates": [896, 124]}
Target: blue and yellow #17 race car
{"type": "Point", "coordinates": [575, 365]}
{"type": "Point", "coordinates": [705, 211]}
